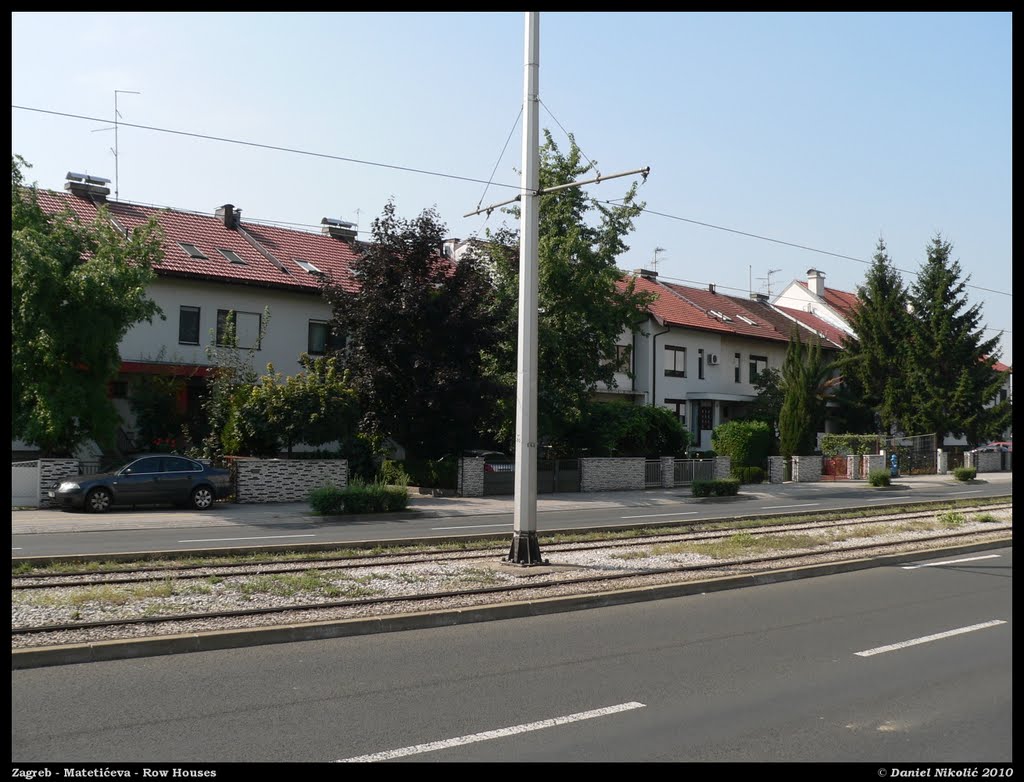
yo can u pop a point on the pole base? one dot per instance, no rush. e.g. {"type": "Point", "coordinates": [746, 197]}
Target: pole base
{"type": "Point", "coordinates": [525, 549]}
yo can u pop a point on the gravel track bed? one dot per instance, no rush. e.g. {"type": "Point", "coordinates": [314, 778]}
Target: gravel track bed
{"type": "Point", "coordinates": [240, 592]}
{"type": "Point", "coordinates": [351, 563]}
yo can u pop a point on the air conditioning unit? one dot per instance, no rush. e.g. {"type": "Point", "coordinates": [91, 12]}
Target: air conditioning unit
{"type": "Point", "coordinates": [712, 358]}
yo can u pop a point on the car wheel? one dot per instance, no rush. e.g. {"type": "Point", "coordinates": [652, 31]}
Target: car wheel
{"type": "Point", "coordinates": [202, 497]}
{"type": "Point", "coordinates": [98, 501]}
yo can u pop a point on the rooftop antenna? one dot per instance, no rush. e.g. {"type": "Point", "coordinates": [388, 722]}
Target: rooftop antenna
{"type": "Point", "coordinates": [117, 115]}
{"type": "Point", "coordinates": [768, 279]}
{"type": "Point", "coordinates": [654, 262]}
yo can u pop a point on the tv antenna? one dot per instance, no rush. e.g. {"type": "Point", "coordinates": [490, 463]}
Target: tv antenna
{"type": "Point", "coordinates": [117, 115]}
{"type": "Point", "coordinates": [654, 262]}
{"type": "Point", "coordinates": [768, 279]}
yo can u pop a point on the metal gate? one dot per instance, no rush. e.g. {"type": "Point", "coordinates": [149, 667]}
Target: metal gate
{"type": "Point", "coordinates": [553, 475]}
{"type": "Point", "coordinates": [915, 455]}
{"type": "Point", "coordinates": [690, 470]}
{"type": "Point", "coordinates": [25, 484]}
{"type": "Point", "coordinates": [834, 468]}
{"type": "Point", "coordinates": [652, 473]}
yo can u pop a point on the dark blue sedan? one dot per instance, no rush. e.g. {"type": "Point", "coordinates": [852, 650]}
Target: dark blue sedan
{"type": "Point", "coordinates": [148, 480]}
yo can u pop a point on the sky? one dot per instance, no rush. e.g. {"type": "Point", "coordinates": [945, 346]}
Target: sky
{"type": "Point", "coordinates": [824, 130]}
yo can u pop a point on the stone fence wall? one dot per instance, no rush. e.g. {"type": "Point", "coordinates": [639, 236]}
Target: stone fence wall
{"type": "Point", "coordinates": [612, 474]}
{"type": "Point", "coordinates": [50, 473]}
{"type": "Point", "coordinates": [806, 468]}
{"type": "Point", "coordinates": [984, 462]}
{"type": "Point", "coordinates": [471, 477]}
{"type": "Point", "coordinates": [286, 480]}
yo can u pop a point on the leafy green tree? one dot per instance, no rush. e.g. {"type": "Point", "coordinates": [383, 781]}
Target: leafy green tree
{"type": "Point", "coordinates": [768, 403]}
{"type": "Point", "coordinates": [622, 429]}
{"type": "Point", "coordinates": [951, 376]}
{"type": "Point", "coordinates": [584, 305]}
{"type": "Point", "coordinates": [76, 290]}
{"type": "Point", "coordinates": [874, 362]}
{"type": "Point", "coordinates": [417, 331]}
{"type": "Point", "coordinates": [747, 442]}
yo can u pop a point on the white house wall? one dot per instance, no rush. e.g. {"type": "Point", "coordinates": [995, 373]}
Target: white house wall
{"type": "Point", "coordinates": [286, 331]}
{"type": "Point", "coordinates": [797, 297]}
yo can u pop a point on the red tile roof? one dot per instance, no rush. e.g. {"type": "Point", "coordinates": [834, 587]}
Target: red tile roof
{"type": "Point", "coordinates": [208, 234]}
{"type": "Point", "coordinates": [843, 302]}
{"type": "Point", "coordinates": [831, 333]}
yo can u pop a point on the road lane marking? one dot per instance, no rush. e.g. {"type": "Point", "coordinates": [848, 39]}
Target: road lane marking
{"type": "Point", "coordinates": [927, 638]}
{"type": "Point", "coordinates": [262, 537]}
{"type": "Point", "coordinates": [951, 562]}
{"type": "Point", "coordinates": [653, 515]}
{"type": "Point", "coordinates": [976, 491]}
{"type": "Point", "coordinates": [779, 507]}
{"type": "Point", "coordinates": [15, 549]}
{"type": "Point", "coordinates": [493, 734]}
{"type": "Point", "coordinates": [474, 526]}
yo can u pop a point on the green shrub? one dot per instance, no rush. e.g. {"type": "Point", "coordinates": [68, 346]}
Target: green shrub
{"type": "Point", "coordinates": [747, 443]}
{"type": "Point", "coordinates": [748, 474]}
{"type": "Point", "coordinates": [392, 474]}
{"type": "Point", "coordinates": [879, 478]}
{"type": "Point", "coordinates": [435, 473]}
{"type": "Point", "coordinates": [719, 488]}
{"type": "Point", "coordinates": [951, 519]}
{"type": "Point", "coordinates": [965, 473]}
{"type": "Point", "coordinates": [358, 497]}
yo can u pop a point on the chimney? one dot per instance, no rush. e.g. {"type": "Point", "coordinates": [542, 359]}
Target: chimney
{"type": "Point", "coordinates": [449, 246]}
{"type": "Point", "coordinates": [230, 215]}
{"type": "Point", "coordinates": [711, 287]}
{"type": "Point", "coordinates": [647, 274]}
{"type": "Point", "coordinates": [816, 282]}
{"type": "Point", "coordinates": [760, 298]}
{"type": "Point", "coordinates": [339, 229]}
{"type": "Point", "coordinates": [91, 187]}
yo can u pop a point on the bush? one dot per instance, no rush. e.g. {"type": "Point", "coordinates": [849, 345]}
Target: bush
{"type": "Point", "coordinates": [435, 473]}
{"type": "Point", "coordinates": [879, 478]}
{"type": "Point", "coordinates": [748, 474]}
{"type": "Point", "coordinates": [720, 488]}
{"type": "Point", "coordinates": [621, 429]}
{"type": "Point", "coordinates": [965, 473]}
{"type": "Point", "coordinates": [747, 443]}
{"type": "Point", "coordinates": [358, 497]}
{"type": "Point", "coordinates": [392, 474]}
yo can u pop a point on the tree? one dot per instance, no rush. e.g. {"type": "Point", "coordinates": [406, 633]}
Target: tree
{"type": "Point", "coordinates": [768, 402]}
{"type": "Point", "coordinates": [76, 289]}
{"type": "Point", "coordinates": [805, 380]}
{"type": "Point", "coordinates": [951, 374]}
{"type": "Point", "coordinates": [417, 330]}
{"type": "Point", "coordinates": [623, 429]}
{"type": "Point", "coordinates": [874, 362]}
{"type": "Point", "coordinates": [584, 304]}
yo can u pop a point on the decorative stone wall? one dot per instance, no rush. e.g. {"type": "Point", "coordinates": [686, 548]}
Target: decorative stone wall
{"type": "Point", "coordinates": [875, 461]}
{"type": "Point", "coordinates": [984, 462]}
{"type": "Point", "coordinates": [612, 474]}
{"type": "Point", "coordinates": [286, 480]}
{"type": "Point", "coordinates": [471, 477]}
{"type": "Point", "coordinates": [775, 471]}
{"type": "Point", "coordinates": [722, 467]}
{"type": "Point", "coordinates": [50, 473]}
{"type": "Point", "coordinates": [941, 462]}
{"type": "Point", "coordinates": [668, 472]}
{"type": "Point", "coordinates": [806, 468]}
{"type": "Point", "coordinates": [853, 467]}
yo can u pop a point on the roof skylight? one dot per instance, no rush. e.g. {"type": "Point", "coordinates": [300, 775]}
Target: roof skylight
{"type": "Point", "coordinates": [309, 267]}
{"type": "Point", "coordinates": [746, 320]}
{"type": "Point", "coordinates": [230, 255]}
{"type": "Point", "coordinates": [192, 251]}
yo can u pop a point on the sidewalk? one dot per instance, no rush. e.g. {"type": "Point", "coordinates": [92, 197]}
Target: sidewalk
{"type": "Point", "coordinates": [425, 506]}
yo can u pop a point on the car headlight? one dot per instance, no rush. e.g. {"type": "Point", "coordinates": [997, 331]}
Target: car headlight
{"type": "Point", "coordinates": [68, 486]}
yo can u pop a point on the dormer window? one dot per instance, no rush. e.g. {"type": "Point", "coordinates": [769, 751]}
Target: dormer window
{"type": "Point", "coordinates": [192, 251]}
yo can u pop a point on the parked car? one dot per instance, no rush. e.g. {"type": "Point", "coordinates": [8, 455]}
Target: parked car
{"type": "Point", "coordinates": [1003, 446]}
{"type": "Point", "coordinates": [146, 480]}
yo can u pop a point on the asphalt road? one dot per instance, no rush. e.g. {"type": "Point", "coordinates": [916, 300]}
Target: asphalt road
{"type": "Point", "coordinates": [53, 532]}
{"type": "Point", "coordinates": [885, 665]}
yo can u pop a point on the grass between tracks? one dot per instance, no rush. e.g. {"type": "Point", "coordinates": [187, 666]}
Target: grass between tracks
{"type": "Point", "coordinates": [948, 518]}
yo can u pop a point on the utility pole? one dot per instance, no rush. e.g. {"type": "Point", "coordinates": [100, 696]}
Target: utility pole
{"type": "Point", "coordinates": [117, 116]}
{"type": "Point", "coordinates": [525, 549]}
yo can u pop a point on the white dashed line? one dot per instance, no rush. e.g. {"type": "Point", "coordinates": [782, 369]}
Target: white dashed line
{"type": "Point", "coordinates": [654, 515]}
{"type": "Point", "coordinates": [474, 526]}
{"type": "Point", "coordinates": [493, 734]}
{"type": "Point", "coordinates": [780, 507]}
{"type": "Point", "coordinates": [951, 562]}
{"type": "Point", "coordinates": [927, 638]}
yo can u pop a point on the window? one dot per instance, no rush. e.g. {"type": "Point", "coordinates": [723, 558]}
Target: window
{"type": "Point", "coordinates": [321, 339]}
{"type": "Point", "coordinates": [746, 320]}
{"type": "Point", "coordinates": [1002, 395]}
{"type": "Point", "coordinates": [758, 364]}
{"type": "Point", "coordinates": [309, 267]}
{"type": "Point", "coordinates": [192, 251]}
{"type": "Point", "coordinates": [188, 325]}
{"type": "Point", "coordinates": [706, 417]}
{"type": "Point", "coordinates": [623, 358]}
{"type": "Point", "coordinates": [679, 405]}
{"type": "Point", "coordinates": [239, 329]}
{"type": "Point", "coordinates": [736, 367]}
{"type": "Point", "coordinates": [700, 363]}
{"type": "Point", "coordinates": [177, 464]}
{"type": "Point", "coordinates": [146, 466]}
{"type": "Point", "coordinates": [231, 255]}
{"type": "Point", "coordinates": [675, 361]}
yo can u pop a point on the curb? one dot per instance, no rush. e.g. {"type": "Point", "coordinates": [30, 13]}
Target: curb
{"type": "Point", "coordinates": [44, 656]}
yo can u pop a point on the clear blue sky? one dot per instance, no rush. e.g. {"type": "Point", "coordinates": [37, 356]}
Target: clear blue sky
{"type": "Point", "coordinates": [824, 130]}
